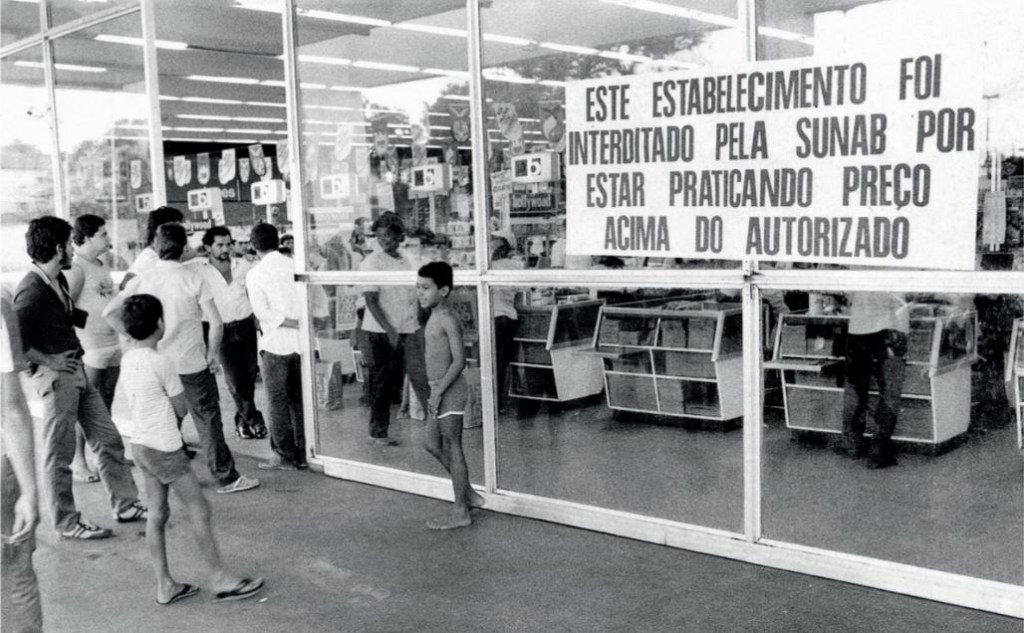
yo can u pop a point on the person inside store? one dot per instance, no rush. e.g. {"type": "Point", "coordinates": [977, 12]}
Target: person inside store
{"type": "Point", "coordinates": [357, 241]}
{"type": "Point", "coordinates": [148, 257]}
{"type": "Point", "coordinates": [227, 278]}
{"type": "Point", "coordinates": [92, 288]}
{"type": "Point", "coordinates": [287, 244]}
{"type": "Point", "coordinates": [389, 326]}
{"type": "Point", "coordinates": [55, 375]}
{"type": "Point", "coordinates": [275, 301]}
{"type": "Point", "coordinates": [187, 302]}
{"type": "Point", "coordinates": [20, 605]}
{"type": "Point", "coordinates": [506, 318]}
{"type": "Point", "coordinates": [876, 350]}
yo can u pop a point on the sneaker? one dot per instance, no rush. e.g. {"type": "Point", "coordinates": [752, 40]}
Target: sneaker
{"type": "Point", "coordinates": [243, 431]}
{"type": "Point", "coordinates": [259, 431]}
{"type": "Point", "coordinates": [85, 531]}
{"type": "Point", "coordinates": [135, 512]}
{"type": "Point", "coordinates": [238, 485]}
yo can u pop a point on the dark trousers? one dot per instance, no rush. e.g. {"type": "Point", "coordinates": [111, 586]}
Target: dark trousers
{"type": "Point", "coordinates": [505, 329]}
{"type": "Point", "coordinates": [282, 378]}
{"type": "Point", "coordinates": [385, 375]}
{"type": "Point", "coordinates": [238, 350]}
{"type": "Point", "coordinates": [879, 355]}
{"type": "Point", "coordinates": [204, 405]}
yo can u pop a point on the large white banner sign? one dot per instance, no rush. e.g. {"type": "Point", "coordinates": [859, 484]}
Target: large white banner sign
{"type": "Point", "coordinates": [860, 161]}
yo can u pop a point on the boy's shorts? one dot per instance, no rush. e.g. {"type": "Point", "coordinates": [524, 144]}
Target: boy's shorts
{"type": "Point", "coordinates": [165, 467]}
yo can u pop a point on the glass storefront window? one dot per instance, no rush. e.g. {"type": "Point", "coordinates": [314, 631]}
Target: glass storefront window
{"type": "Point", "coordinates": [990, 28]}
{"type": "Point", "coordinates": [623, 398]}
{"type": "Point", "coordinates": [529, 54]}
{"type": "Point", "coordinates": [25, 153]}
{"type": "Point", "coordinates": [892, 429]}
{"type": "Point", "coordinates": [20, 20]}
{"type": "Point", "coordinates": [103, 119]}
{"type": "Point", "coordinates": [363, 392]}
{"type": "Point", "coordinates": [385, 128]}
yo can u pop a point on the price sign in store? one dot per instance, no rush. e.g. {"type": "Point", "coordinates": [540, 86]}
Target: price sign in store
{"type": "Point", "coordinates": [868, 161]}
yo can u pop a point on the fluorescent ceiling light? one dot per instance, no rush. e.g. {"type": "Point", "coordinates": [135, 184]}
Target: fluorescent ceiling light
{"type": "Point", "coordinates": [276, 83]}
{"type": "Point", "coordinates": [267, 104]}
{"type": "Point", "coordinates": [131, 126]}
{"type": "Point", "coordinates": [138, 41]}
{"type": "Point", "coordinates": [383, 66]}
{"type": "Point", "coordinates": [552, 82]}
{"type": "Point", "coordinates": [204, 117]}
{"type": "Point", "coordinates": [346, 88]}
{"type": "Point", "coordinates": [626, 57]}
{"type": "Point", "coordinates": [680, 12]}
{"type": "Point", "coordinates": [248, 81]}
{"type": "Point", "coordinates": [445, 71]}
{"type": "Point", "coordinates": [507, 39]}
{"type": "Point", "coordinates": [318, 59]}
{"type": "Point", "coordinates": [169, 98]}
{"type": "Point", "coordinates": [568, 48]}
{"type": "Point", "coordinates": [197, 129]}
{"type": "Point", "coordinates": [769, 31]}
{"type": "Point", "coordinates": [211, 100]}
{"type": "Point", "coordinates": [312, 86]}
{"type": "Point", "coordinates": [257, 119]}
{"type": "Point", "coordinates": [341, 17]}
{"type": "Point", "coordinates": [455, 97]}
{"type": "Point", "coordinates": [248, 131]}
{"type": "Point", "coordinates": [512, 79]}
{"type": "Point", "coordinates": [427, 28]}
{"type": "Point", "coordinates": [70, 67]}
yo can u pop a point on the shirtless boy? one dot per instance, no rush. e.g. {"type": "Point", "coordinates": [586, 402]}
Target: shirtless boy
{"type": "Point", "coordinates": [446, 358]}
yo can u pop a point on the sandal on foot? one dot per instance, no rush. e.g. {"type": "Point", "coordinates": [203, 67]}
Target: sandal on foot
{"type": "Point", "coordinates": [91, 478]}
{"type": "Point", "coordinates": [135, 512]}
{"type": "Point", "coordinates": [186, 591]}
{"type": "Point", "coordinates": [245, 589]}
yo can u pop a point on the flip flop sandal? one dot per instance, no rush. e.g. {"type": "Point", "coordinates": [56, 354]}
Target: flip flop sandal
{"type": "Point", "coordinates": [88, 479]}
{"type": "Point", "coordinates": [247, 588]}
{"type": "Point", "coordinates": [186, 591]}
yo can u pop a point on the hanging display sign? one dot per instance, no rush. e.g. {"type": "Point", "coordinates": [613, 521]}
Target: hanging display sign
{"type": "Point", "coordinates": [868, 161]}
{"type": "Point", "coordinates": [256, 159]}
{"type": "Point", "coordinates": [460, 123]}
{"type": "Point", "coordinates": [136, 174]}
{"type": "Point", "coordinates": [226, 166]}
{"type": "Point", "coordinates": [243, 169]}
{"type": "Point", "coordinates": [182, 171]}
{"type": "Point", "coordinates": [203, 167]}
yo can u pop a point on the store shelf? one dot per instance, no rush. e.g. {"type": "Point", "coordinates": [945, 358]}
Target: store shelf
{"type": "Point", "coordinates": [935, 402]}
{"type": "Point", "coordinates": [678, 358]}
{"type": "Point", "coordinates": [546, 361]}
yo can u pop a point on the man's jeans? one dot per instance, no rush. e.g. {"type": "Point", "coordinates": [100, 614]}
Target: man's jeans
{"type": "Point", "coordinates": [20, 607]}
{"type": "Point", "coordinates": [385, 375]}
{"type": "Point", "coordinates": [204, 405]}
{"type": "Point", "coordinates": [282, 377]}
{"type": "Point", "coordinates": [67, 397]}
{"type": "Point", "coordinates": [238, 350]}
{"type": "Point", "coordinates": [879, 355]}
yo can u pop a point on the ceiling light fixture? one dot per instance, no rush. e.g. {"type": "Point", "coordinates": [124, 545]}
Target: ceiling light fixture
{"type": "Point", "coordinates": [427, 28]}
{"type": "Point", "coordinates": [384, 66]}
{"type": "Point", "coordinates": [138, 41]}
{"type": "Point", "coordinates": [267, 104]}
{"type": "Point", "coordinates": [204, 117]}
{"type": "Point", "coordinates": [341, 17]}
{"type": "Point", "coordinates": [211, 100]}
{"type": "Point", "coordinates": [318, 59]}
{"type": "Point", "coordinates": [59, 66]}
{"type": "Point", "coordinates": [246, 81]}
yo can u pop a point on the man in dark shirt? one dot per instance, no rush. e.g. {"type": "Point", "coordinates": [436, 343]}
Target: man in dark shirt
{"type": "Point", "coordinates": [56, 377]}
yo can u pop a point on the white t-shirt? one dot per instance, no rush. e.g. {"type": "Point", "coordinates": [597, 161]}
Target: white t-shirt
{"type": "Point", "coordinates": [150, 380]}
{"type": "Point", "coordinates": [232, 299]}
{"type": "Point", "coordinates": [274, 296]}
{"type": "Point", "coordinates": [398, 302]}
{"type": "Point", "coordinates": [181, 290]}
{"type": "Point", "coordinates": [97, 291]}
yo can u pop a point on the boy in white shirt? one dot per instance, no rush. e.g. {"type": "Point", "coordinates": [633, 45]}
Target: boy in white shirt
{"type": "Point", "coordinates": [157, 401]}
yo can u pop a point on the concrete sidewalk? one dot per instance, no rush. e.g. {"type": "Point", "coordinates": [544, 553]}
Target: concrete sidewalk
{"type": "Point", "coordinates": [340, 556]}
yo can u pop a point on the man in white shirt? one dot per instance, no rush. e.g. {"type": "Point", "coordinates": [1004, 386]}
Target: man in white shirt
{"type": "Point", "coordinates": [276, 304]}
{"type": "Point", "coordinates": [226, 275]}
{"type": "Point", "coordinates": [390, 326]}
{"type": "Point", "coordinates": [875, 349]}
{"type": "Point", "coordinates": [147, 257]}
{"type": "Point", "coordinates": [187, 302]}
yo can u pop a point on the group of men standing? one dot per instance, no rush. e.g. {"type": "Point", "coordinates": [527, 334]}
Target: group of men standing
{"type": "Point", "coordinates": [68, 313]}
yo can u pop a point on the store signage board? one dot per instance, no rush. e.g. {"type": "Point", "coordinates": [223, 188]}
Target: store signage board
{"type": "Point", "coordinates": [868, 161]}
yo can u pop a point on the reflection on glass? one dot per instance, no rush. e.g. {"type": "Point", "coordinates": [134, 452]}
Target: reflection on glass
{"type": "Point", "coordinates": [357, 369]}
{"type": "Point", "coordinates": [20, 20]}
{"type": "Point", "coordinates": [919, 423]}
{"type": "Point", "coordinates": [103, 118]}
{"type": "Point", "coordinates": [992, 27]}
{"type": "Point", "coordinates": [385, 128]}
{"type": "Point", "coordinates": [25, 153]}
{"type": "Point", "coordinates": [627, 405]}
{"type": "Point", "coordinates": [526, 66]}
